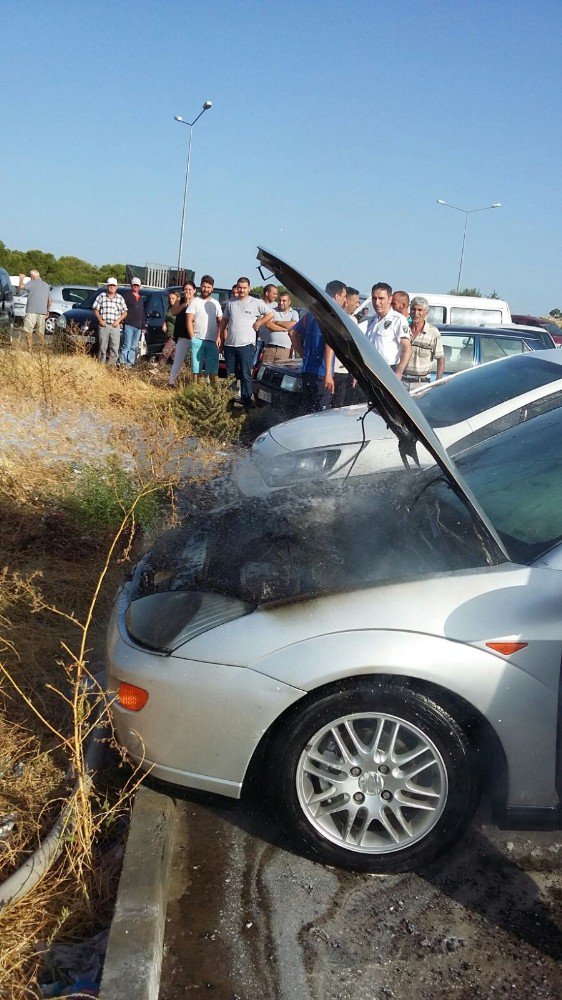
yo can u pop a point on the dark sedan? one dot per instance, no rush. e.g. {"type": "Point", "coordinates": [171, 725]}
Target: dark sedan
{"type": "Point", "coordinates": [464, 346]}
{"type": "Point", "coordinates": [82, 320]}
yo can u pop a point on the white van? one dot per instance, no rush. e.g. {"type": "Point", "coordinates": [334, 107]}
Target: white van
{"type": "Point", "coordinates": [457, 310]}
{"type": "Point", "coordinates": [465, 310]}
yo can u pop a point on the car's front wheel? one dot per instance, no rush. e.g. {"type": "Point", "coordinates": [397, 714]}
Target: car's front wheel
{"type": "Point", "coordinates": [378, 777]}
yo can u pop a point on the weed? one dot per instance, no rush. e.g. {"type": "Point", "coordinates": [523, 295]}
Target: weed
{"type": "Point", "coordinates": [97, 498]}
{"type": "Point", "coordinates": [207, 411]}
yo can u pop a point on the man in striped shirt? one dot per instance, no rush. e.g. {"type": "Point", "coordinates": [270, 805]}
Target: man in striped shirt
{"type": "Point", "coordinates": [426, 346]}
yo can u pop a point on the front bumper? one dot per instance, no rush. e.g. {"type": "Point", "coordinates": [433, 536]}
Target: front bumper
{"type": "Point", "coordinates": [202, 721]}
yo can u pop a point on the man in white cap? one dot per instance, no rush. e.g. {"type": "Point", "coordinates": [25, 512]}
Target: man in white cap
{"type": "Point", "coordinates": [110, 311]}
{"type": "Point", "coordinates": [133, 327]}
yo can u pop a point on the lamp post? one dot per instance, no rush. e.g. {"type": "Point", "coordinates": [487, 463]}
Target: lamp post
{"type": "Point", "coordinates": [466, 212]}
{"type": "Point", "coordinates": [182, 121]}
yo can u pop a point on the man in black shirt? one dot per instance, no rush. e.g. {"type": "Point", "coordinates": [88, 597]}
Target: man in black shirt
{"type": "Point", "coordinates": [135, 322]}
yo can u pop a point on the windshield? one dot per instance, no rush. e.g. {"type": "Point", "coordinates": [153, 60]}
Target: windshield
{"type": "Point", "coordinates": [477, 390]}
{"type": "Point", "coordinates": [517, 478]}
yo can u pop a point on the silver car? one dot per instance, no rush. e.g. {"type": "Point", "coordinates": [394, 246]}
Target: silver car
{"type": "Point", "coordinates": [63, 298]}
{"type": "Point", "coordinates": [376, 651]}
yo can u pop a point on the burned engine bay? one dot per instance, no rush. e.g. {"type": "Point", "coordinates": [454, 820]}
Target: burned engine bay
{"type": "Point", "coordinates": [298, 543]}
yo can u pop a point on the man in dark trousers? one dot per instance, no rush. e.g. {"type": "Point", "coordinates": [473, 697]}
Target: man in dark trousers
{"type": "Point", "coordinates": [134, 324]}
{"type": "Point", "coordinates": [318, 359]}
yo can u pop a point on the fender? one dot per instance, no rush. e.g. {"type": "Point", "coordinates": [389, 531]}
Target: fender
{"type": "Point", "coordinates": [521, 710]}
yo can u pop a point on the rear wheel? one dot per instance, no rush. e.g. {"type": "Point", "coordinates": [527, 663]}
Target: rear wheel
{"type": "Point", "coordinates": [51, 323]}
{"type": "Point", "coordinates": [378, 778]}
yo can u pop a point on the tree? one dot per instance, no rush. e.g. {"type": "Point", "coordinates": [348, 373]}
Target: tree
{"type": "Point", "coordinates": [555, 313]}
{"type": "Point", "coordinates": [466, 291]}
{"type": "Point", "coordinates": [71, 270]}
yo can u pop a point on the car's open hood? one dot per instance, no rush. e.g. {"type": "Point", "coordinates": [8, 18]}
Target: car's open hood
{"type": "Point", "coordinates": [385, 392]}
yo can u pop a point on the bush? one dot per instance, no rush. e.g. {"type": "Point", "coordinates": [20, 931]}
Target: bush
{"type": "Point", "coordinates": [207, 410]}
{"type": "Point", "coordinates": [99, 496]}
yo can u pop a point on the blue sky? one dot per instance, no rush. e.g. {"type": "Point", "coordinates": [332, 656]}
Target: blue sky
{"type": "Point", "coordinates": [335, 127]}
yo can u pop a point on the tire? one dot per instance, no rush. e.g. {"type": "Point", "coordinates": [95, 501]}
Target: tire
{"type": "Point", "coordinates": [51, 324]}
{"type": "Point", "coordinates": [389, 815]}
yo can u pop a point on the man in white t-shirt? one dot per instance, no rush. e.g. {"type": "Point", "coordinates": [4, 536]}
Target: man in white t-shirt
{"type": "Point", "coordinates": [202, 318]}
{"type": "Point", "coordinates": [388, 331]}
{"type": "Point", "coordinates": [238, 334]}
{"type": "Point", "coordinates": [275, 334]}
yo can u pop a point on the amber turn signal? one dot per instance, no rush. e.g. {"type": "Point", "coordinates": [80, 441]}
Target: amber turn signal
{"type": "Point", "coordinates": [131, 697]}
{"type": "Point", "coordinates": [507, 648]}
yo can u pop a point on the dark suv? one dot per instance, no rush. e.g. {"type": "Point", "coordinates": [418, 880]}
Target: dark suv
{"type": "Point", "coordinates": [82, 320]}
{"type": "Point", "coordinates": [6, 307]}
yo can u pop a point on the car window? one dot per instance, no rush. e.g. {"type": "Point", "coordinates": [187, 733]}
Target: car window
{"type": "Point", "coordinates": [5, 283]}
{"type": "Point", "coordinates": [446, 403]}
{"type": "Point", "coordinates": [154, 303]}
{"type": "Point", "coordinates": [459, 352]}
{"type": "Point", "coordinates": [436, 314]}
{"type": "Point", "coordinates": [75, 294]}
{"type": "Point", "coordinates": [467, 316]}
{"type": "Point", "coordinates": [90, 298]}
{"type": "Point", "coordinates": [500, 347]}
{"type": "Point", "coordinates": [516, 478]}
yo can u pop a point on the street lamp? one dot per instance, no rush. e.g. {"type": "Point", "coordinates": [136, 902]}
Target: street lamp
{"type": "Point", "coordinates": [467, 212]}
{"type": "Point", "coordinates": [182, 121]}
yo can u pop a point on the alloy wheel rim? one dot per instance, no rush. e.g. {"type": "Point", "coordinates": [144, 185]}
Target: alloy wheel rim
{"type": "Point", "coordinates": [371, 783]}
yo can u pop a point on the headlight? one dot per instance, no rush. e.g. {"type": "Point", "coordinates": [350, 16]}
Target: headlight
{"type": "Point", "coordinates": [261, 373]}
{"type": "Point", "coordinates": [166, 620]}
{"type": "Point", "coordinates": [61, 322]}
{"type": "Point", "coordinates": [291, 384]}
{"type": "Point", "coordinates": [300, 465]}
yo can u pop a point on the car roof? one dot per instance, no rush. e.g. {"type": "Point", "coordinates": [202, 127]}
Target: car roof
{"type": "Point", "coordinates": [504, 330]}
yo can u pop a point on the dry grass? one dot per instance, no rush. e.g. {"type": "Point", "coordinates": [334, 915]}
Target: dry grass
{"type": "Point", "coordinates": [57, 581]}
{"type": "Point", "coordinates": [65, 382]}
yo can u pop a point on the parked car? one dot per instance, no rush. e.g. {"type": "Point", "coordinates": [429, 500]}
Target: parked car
{"type": "Point", "coordinates": [455, 310]}
{"type": "Point", "coordinates": [465, 346]}
{"type": "Point", "coordinates": [462, 409]}
{"type": "Point", "coordinates": [6, 307]}
{"type": "Point", "coordinates": [63, 298]}
{"type": "Point", "coordinates": [546, 324]}
{"type": "Point", "coordinates": [20, 298]}
{"type": "Point", "coordinates": [82, 321]}
{"type": "Point", "coordinates": [376, 652]}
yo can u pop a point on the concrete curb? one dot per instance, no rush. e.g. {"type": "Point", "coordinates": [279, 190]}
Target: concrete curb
{"type": "Point", "coordinates": [134, 952]}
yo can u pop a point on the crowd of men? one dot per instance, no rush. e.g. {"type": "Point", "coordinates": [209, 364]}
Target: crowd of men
{"type": "Point", "coordinates": [270, 330]}
{"type": "Point", "coordinates": [249, 329]}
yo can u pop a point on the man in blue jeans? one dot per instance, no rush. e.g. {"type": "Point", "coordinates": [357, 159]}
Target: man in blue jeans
{"type": "Point", "coordinates": [318, 358]}
{"type": "Point", "coordinates": [238, 335]}
{"type": "Point", "coordinates": [133, 326]}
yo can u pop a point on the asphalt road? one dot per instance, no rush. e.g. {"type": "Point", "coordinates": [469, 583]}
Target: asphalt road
{"type": "Point", "coordinates": [249, 919]}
